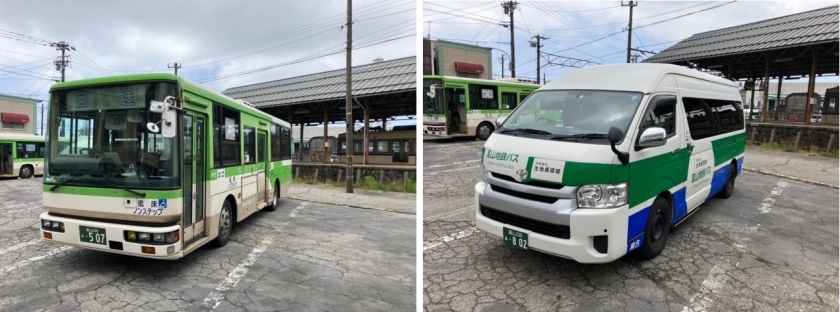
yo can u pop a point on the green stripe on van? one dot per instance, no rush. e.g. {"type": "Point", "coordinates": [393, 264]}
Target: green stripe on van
{"type": "Point", "coordinates": [727, 148]}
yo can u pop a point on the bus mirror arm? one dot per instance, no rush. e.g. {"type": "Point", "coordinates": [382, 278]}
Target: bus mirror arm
{"type": "Point", "coordinates": [616, 135]}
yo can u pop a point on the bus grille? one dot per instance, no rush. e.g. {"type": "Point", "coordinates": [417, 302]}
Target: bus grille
{"type": "Point", "coordinates": [545, 228]}
{"type": "Point", "coordinates": [534, 197]}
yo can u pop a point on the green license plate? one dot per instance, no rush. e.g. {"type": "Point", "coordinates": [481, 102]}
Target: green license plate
{"type": "Point", "coordinates": [515, 238]}
{"type": "Point", "coordinates": [92, 235]}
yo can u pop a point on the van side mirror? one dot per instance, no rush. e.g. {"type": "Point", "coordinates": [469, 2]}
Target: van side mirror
{"type": "Point", "coordinates": [500, 121]}
{"type": "Point", "coordinates": [652, 137]}
{"type": "Point", "coordinates": [615, 135]}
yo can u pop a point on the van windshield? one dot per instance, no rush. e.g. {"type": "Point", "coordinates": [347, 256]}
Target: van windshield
{"type": "Point", "coordinates": [561, 113]}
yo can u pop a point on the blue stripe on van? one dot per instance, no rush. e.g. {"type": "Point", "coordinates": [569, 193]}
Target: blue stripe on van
{"type": "Point", "coordinates": [637, 223]}
{"type": "Point", "coordinates": [740, 166]}
{"type": "Point", "coordinates": [718, 181]}
{"type": "Point", "coordinates": [680, 206]}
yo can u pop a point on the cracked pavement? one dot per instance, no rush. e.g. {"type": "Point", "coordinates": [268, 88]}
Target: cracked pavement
{"type": "Point", "coordinates": [317, 257]}
{"type": "Point", "coordinates": [772, 246]}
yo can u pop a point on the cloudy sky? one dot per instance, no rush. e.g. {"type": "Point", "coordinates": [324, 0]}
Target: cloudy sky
{"type": "Point", "coordinates": [212, 39]}
{"type": "Point", "coordinates": [572, 23]}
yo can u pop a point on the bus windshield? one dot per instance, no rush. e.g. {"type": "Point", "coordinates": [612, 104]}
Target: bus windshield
{"type": "Point", "coordinates": [433, 105]}
{"type": "Point", "coordinates": [98, 137]}
{"type": "Point", "coordinates": [561, 113]}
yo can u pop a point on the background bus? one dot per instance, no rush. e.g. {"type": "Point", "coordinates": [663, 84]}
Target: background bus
{"type": "Point", "coordinates": [21, 155]}
{"type": "Point", "coordinates": [154, 165]}
{"type": "Point", "coordinates": [397, 146]}
{"type": "Point", "coordinates": [459, 107]}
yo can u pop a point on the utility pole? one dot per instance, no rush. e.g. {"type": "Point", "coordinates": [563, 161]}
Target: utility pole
{"type": "Point", "coordinates": [63, 60]}
{"type": "Point", "coordinates": [176, 66]}
{"type": "Point", "coordinates": [629, 27]}
{"type": "Point", "coordinates": [43, 106]}
{"type": "Point", "coordinates": [502, 60]}
{"type": "Point", "coordinates": [348, 102]}
{"type": "Point", "coordinates": [538, 45]}
{"type": "Point", "coordinates": [510, 7]}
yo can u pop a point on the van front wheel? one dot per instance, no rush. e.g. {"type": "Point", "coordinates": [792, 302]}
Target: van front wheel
{"type": "Point", "coordinates": [657, 229]}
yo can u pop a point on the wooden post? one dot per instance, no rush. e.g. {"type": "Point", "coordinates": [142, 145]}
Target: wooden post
{"type": "Point", "coordinates": [752, 135]}
{"type": "Point", "coordinates": [764, 90]}
{"type": "Point", "coordinates": [291, 142]}
{"type": "Point", "coordinates": [830, 142]}
{"type": "Point", "coordinates": [326, 138]}
{"type": "Point", "coordinates": [811, 83]}
{"type": "Point", "coordinates": [796, 141]}
{"type": "Point", "coordinates": [300, 155]}
{"type": "Point", "coordinates": [772, 136]}
{"type": "Point", "coordinates": [778, 96]}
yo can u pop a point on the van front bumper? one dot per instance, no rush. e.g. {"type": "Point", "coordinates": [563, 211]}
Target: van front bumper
{"type": "Point", "coordinates": [584, 226]}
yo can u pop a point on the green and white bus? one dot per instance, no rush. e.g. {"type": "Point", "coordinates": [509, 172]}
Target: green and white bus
{"type": "Point", "coordinates": [21, 155]}
{"type": "Point", "coordinates": [466, 107]}
{"type": "Point", "coordinates": [155, 166]}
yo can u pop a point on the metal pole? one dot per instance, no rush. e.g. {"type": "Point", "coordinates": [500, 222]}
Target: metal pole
{"type": "Point", "coordinates": [348, 103]}
{"type": "Point", "coordinates": [502, 60]}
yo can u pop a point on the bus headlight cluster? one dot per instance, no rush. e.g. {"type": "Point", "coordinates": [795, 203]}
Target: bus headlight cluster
{"type": "Point", "coordinates": [166, 238]}
{"type": "Point", "coordinates": [52, 225]}
{"type": "Point", "coordinates": [602, 196]}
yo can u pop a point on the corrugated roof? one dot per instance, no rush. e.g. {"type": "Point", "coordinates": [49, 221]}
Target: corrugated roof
{"type": "Point", "coordinates": [392, 76]}
{"type": "Point", "coordinates": [799, 29]}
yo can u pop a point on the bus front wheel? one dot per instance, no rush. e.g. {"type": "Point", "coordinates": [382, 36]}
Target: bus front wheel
{"type": "Point", "coordinates": [25, 172]}
{"type": "Point", "coordinates": [657, 229]}
{"type": "Point", "coordinates": [275, 200]}
{"type": "Point", "coordinates": [225, 225]}
{"type": "Point", "coordinates": [485, 129]}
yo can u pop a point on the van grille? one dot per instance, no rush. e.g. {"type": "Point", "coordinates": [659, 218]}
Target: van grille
{"type": "Point", "coordinates": [545, 228]}
{"type": "Point", "coordinates": [534, 197]}
{"type": "Point", "coordinates": [547, 185]}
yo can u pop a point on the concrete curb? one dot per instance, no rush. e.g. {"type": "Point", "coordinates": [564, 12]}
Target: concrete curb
{"type": "Point", "coordinates": [792, 178]}
{"type": "Point", "coordinates": [347, 205]}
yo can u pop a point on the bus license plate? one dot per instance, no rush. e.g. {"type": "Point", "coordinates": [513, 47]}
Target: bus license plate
{"type": "Point", "coordinates": [515, 238]}
{"type": "Point", "coordinates": [92, 235]}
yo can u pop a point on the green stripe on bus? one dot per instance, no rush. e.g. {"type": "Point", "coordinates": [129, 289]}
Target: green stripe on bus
{"type": "Point", "coordinates": [111, 192]}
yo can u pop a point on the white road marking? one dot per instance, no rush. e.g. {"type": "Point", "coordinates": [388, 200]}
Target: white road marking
{"type": "Point", "coordinates": [33, 259]}
{"type": "Point", "coordinates": [233, 278]}
{"type": "Point", "coordinates": [447, 171]}
{"type": "Point", "coordinates": [21, 245]}
{"type": "Point", "coordinates": [453, 164]}
{"type": "Point", "coordinates": [711, 286]}
{"type": "Point", "coordinates": [768, 202]}
{"type": "Point", "coordinates": [295, 211]}
{"type": "Point", "coordinates": [449, 213]}
{"type": "Point", "coordinates": [432, 244]}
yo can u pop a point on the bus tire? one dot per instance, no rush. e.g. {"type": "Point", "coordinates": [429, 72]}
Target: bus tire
{"type": "Point", "coordinates": [484, 130]}
{"type": "Point", "coordinates": [25, 172]}
{"type": "Point", "coordinates": [225, 225]}
{"type": "Point", "coordinates": [729, 187]}
{"type": "Point", "coordinates": [657, 229]}
{"type": "Point", "coordinates": [275, 200]}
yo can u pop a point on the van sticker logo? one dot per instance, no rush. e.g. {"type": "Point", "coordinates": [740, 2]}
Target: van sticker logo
{"type": "Point", "coordinates": [521, 174]}
{"type": "Point", "coordinates": [502, 156]}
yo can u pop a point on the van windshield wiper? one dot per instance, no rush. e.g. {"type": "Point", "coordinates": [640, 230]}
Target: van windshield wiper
{"type": "Point", "coordinates": [588, 136]}
{"type": "Point", "coordinates": [108, 180]}
{"type": "Point", "coordinates": [525, 130]}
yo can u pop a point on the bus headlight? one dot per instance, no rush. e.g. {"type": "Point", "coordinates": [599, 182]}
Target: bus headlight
{"type": "Point", "coordinates": [602, 196]}
{"type": "Point", "coordinates": [143, 236]}
{"type": "Point", "coordinates": [158, 237]}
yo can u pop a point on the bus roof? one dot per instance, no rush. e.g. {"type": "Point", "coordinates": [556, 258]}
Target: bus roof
{"type": "Point", "coordinates": [186, 84]}
{"type": "Point", "coordinates": [482, 81]}
{"type": "Point", "coordinates": [20, 137]}
{"type": "Point", "coordinates": [639, 77]}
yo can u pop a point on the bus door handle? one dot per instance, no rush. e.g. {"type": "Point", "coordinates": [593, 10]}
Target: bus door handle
{"type": "Point", "coordinates": [676, 150]}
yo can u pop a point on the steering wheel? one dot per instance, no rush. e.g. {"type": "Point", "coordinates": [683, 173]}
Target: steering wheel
{"type": "Point", "coordinates": [84, 151]}
{"type": "Point", "coordinates": [546, 120]}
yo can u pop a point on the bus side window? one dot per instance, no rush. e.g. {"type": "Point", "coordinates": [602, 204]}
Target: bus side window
{"type": "Point", "coordinates": [509, 100]}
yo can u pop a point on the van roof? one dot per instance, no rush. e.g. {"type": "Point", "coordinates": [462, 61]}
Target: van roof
{"type": "Point", "coordinates": [638, 77]}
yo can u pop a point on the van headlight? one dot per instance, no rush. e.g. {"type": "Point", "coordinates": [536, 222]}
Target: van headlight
{"type": "Point", "coordinates": [602, 196]}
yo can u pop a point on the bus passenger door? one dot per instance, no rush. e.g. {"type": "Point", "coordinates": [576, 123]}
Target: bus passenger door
{"type": "Point", "coordinates": [194, 129]}
{"type": "Point", "coordinates": [262, 195]}
{"type": "Point", "coordinates": [6, 162]}
{"type": "Point", "coordinates": [456, 101]}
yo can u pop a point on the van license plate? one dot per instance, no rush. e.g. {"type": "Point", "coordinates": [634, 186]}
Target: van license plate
{"type": "Point", "coordinates": [515, 238]}
{"type": "Point", "coordinates": [92, 235]}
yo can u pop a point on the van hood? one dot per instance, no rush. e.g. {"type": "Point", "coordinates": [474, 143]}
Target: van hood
{"type": "Point", "coordinates": [560, 162]}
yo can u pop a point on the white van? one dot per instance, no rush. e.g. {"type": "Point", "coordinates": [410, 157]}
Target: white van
{"type": "Point", "coordinates": [604, 160]}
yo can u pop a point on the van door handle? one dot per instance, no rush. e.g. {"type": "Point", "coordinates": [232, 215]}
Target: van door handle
{"type": "Point", "coordinates": [676, 150]}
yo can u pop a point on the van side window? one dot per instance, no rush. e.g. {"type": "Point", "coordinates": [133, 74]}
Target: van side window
{"type": "Point", "coordinates": [730, 115]}
{"type": "Point", "coordinates": [698, 115]}
{"type": "Point", "coordinates": [710, 117]}
{"type": "Point", "coordinates": [660, 113]}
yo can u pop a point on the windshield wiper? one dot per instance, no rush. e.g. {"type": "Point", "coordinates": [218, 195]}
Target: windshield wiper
{"type": "Point", "coordinates": [108, 180]}
{"type": "Point", "coordinates": [588, 136]}
{"type": "Point", "coordinates": [525, 130]}
{"type": "Point", "coordinates": [72, 176]}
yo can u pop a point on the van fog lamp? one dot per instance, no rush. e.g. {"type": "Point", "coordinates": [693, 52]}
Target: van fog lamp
{"type": "Point", "coordinates": [602, 196]}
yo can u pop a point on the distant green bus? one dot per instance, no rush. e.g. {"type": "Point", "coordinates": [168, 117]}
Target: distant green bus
{"type": "Point", "coordinates": [154, 165]}
{"type": "Point", "coordinates": [21, 155]}
{"type": "Point", "coordinates": [459, 107]}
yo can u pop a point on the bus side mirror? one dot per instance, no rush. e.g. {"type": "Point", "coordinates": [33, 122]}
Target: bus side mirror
{"type": "Point", "coordinates": [169, 123]}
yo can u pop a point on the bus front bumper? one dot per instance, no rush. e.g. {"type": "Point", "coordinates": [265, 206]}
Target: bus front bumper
{"type": "Point", "coordinates": [584, 226]}
{"type": "Point", "coordinates": [114, 240]}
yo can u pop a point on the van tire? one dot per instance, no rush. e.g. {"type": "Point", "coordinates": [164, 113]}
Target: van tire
{"type": "Point", "coordinates": [484, 130]}
{"type": "Point", "coordinates": [225, 225]}
{"type": "Point", "coordinates": [657, 229]}
{"type": "Point", "coordinates": [729, 187]}
{"type": "Point", "coordinates": [25, 172]}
